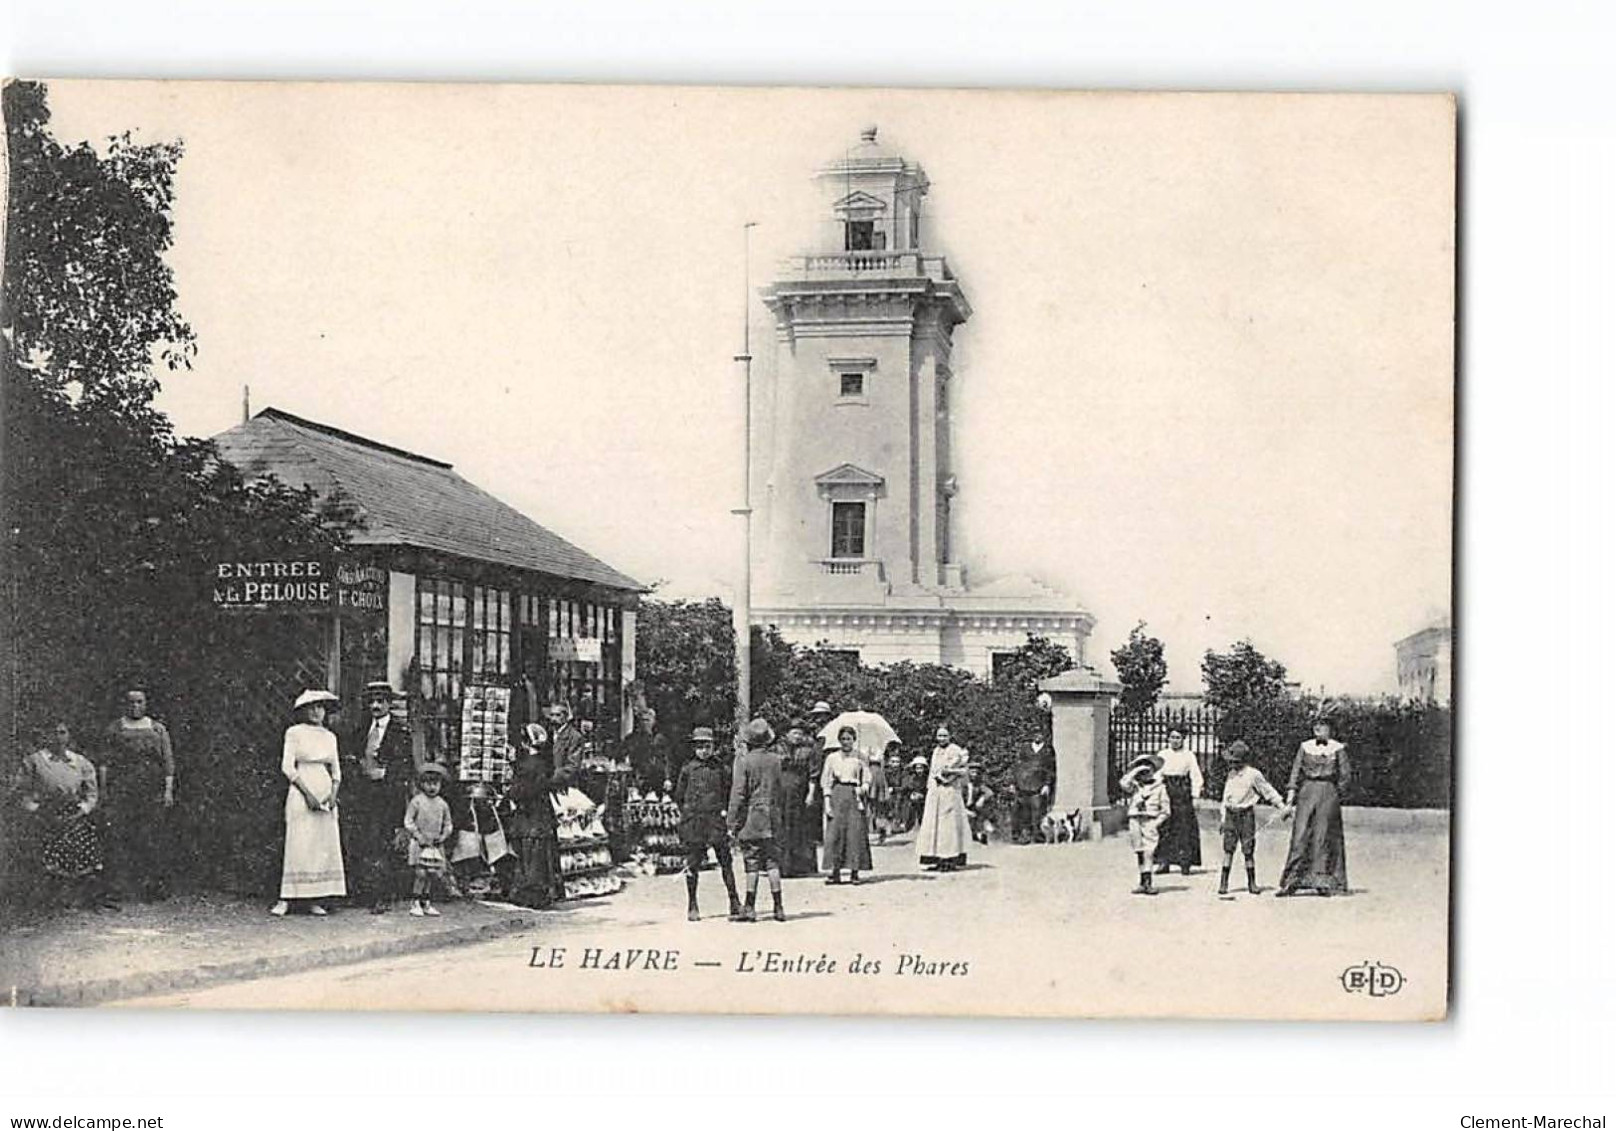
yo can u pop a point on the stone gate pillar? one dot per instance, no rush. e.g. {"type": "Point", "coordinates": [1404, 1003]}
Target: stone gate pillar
{"type": "Point", "coordinates": [1080, 705]}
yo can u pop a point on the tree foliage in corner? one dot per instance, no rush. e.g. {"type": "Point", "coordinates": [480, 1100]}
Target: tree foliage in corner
{"type": "Point", "coordinates": [1141, 668]}
{"type": "Point", "coordinates": [113, 521]}
{"type": "Point", "coordinates": [1240, 676]}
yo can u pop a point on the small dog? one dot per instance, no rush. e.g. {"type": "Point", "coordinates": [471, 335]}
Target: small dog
{"type": "Point", "coordinates": [1057, 828]}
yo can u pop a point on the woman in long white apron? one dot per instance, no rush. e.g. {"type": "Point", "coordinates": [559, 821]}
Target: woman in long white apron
{"type": "Point", "coordinates": [945, 827]}
{"type": "Point", "coordinates": [311, 868]}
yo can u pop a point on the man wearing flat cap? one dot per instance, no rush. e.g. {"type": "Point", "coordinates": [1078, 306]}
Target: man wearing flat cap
{"type": "Point", "coordinates": [379, 774]}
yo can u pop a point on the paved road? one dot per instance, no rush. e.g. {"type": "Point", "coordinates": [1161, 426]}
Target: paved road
{"type": "Point", "coordinates": [1036, 930]}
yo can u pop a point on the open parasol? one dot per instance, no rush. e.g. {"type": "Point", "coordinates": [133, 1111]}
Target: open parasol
{"type": "Point", "coordinates": [874, 732]}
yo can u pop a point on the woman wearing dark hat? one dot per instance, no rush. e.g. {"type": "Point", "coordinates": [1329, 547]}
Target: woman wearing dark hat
{"type": "Point", "coordinates": [311, 867]}
{"type": "Point", "coordinates": [1318, 852]}
{"type": "Point", "coordinates": [798, 856]}
{"type": "Point", "coordinates": [1181, 831]}
{"type": "Point", "coordinates": [532, 823]}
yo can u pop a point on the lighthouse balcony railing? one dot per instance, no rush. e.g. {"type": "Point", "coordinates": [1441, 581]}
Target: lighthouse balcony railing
{"type": "Point", "coordinates": [852, 567]}
{"type": "Point", "coordinates": [846, 264]}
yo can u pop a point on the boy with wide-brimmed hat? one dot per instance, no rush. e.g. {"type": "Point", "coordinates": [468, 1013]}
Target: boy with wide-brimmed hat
{"type": "Point", "coordinates": [1243, 786]}
{"type": "Point", "coordinates": [701, 793]}
{"type": "Point", "coordinates": [1148, 807]}
{"type": "Point", "coordinates": [756, 817]}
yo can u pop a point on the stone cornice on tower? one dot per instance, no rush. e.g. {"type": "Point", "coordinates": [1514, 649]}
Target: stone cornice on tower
{"type": "Point", "coordinates": [813, 298]}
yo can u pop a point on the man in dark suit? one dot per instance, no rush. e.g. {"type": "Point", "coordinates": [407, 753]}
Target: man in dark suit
{"type": "Point", "coordinates": [566, 744]}
{"type": "Point", "coordinates": [377, 779]}
{"type": "Point", "coordinates": [1033, 775]}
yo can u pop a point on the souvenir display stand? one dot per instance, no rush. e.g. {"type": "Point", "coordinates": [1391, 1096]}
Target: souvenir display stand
{"type": "Point", "coordinates": [652, 823]}
{"type": "Point", "coordinates": [585, 855]}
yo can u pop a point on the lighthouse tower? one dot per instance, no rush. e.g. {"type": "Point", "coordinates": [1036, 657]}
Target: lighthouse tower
{"type": "Point", "coordinates": [853, 449]}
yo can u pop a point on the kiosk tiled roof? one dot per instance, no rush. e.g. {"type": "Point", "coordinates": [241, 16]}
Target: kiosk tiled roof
{"type": "Point", "coordinates": [406, 499]}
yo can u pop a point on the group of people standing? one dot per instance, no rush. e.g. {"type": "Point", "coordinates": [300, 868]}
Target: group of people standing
{"type": "Point", "coordinates": [1165, 831]}
{"type": "Point", "coordinates": [395, 824]}
{"type": "Point", "coordinates": [785, 802]}
{"type": "Point", "coordinates": [97, 831]}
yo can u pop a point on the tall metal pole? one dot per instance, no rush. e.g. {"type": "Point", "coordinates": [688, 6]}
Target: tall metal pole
{"type": "Point", "coordinates": [743, 598]}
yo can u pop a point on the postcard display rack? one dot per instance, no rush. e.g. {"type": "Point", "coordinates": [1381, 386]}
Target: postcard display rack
{"type": "Point", "coordinates": [485, 717]}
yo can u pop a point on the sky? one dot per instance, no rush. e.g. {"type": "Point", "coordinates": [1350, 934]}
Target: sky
{"type": "Point", "coordinates": [1207, 384]}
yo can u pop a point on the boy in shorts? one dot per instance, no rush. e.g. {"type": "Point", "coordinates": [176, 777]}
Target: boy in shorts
{"type": "Point", "coordinates": [1147, 810]}
{"type": "Point", "coordinates": [755, 815]}
{"type": "Point", "coordinates": [700, 793]}
{"type": "Point", "coordinates": [1241, 789]}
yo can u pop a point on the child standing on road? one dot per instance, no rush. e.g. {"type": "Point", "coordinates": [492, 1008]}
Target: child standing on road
{"type": "Point", "coordinates": [702, 792]}
{"type": "Point", "coordinates": [1147, 810]}
{"type": "Point", "coordinates": [1241, 789]}
{"type": "Point", "coordinates": [979, 805]}
{"type": "Point", "coordinates": [429, 825]}
{"type": "Point", "coordinates": [755, 816]}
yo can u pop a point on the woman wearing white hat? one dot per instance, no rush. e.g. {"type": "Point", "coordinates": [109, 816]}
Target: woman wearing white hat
{"type": "Point", "coordinates": [311, 868]}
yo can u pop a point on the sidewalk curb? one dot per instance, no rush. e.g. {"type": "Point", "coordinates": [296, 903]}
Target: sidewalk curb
{"type": "Point", "coordinates": [215, 973]}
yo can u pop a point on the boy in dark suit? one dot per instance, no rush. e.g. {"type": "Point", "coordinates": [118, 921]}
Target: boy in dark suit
{"type": "Point", "coordinates": [700, 794]}
{"type": "Point", "coordinates": [755, 815]}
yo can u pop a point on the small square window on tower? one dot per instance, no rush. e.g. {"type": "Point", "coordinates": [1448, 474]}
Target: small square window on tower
{"type": "Point", "coordinates": [852, 384]}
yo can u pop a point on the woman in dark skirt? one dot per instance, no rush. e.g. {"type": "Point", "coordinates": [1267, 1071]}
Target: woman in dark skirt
{"type": "Point", "coordinates": [798, 855]}
{"type": "Point", "coordinates": [1181, 832]}
{"type": "Point", "coordinates": [1318, 852]}
{"type": "Point", "coordinates": [57, 786]}
{"type": "Point", "coordinates": [846, 784]}
{"type": "Point", "coordinates": [531, 825]}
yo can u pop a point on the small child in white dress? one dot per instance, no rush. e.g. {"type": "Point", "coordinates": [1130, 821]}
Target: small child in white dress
{"type": "Point", "coordinates": [429, 824]}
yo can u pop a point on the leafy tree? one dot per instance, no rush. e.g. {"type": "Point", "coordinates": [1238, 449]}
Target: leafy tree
{"type": "Point", "coordinates": [113, 521]}
{"type": "Point", "coordinates": [1038, 659]}
{"type": "Point", "coordinates": [1241, 675]}
{"type": "Point", "coordinates": [1141, 669]}
{"type": "Point", "coordinates": [684, 658]}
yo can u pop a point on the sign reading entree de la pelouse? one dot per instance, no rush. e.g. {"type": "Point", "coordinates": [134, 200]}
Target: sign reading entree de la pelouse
{"type": "Point", "coordinates": [298, 585]}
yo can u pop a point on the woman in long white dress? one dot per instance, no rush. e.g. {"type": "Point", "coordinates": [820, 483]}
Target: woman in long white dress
{"type": "Point", "coordinates": [945, 826]}
{"type": "Point", "coordinates": [311, 868]}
